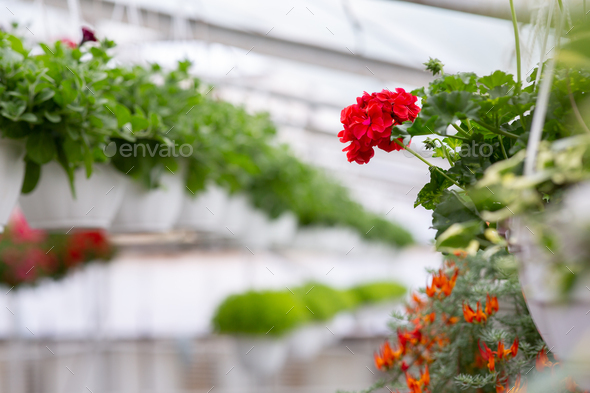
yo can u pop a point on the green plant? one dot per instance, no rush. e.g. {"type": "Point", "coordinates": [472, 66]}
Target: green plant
{"type": "Point", "coordinates": [324, 302]}
{"type": "Point", "coordinates": [378, 292]}
{"type": "Point", "coordinates": [440, 339]}
{"type": "Point", "coordinates": [52, 101]}
{"type": "Point", "coordinates": [259, 313]}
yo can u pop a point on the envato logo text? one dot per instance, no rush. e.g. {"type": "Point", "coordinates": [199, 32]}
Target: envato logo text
{"type": "Point", "coordinates": [126, 149]}
{"type": "Point", "coordinates": [467, 150]}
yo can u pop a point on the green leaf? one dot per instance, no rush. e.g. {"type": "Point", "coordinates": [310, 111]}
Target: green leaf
{"type": "Point", "coordinates": [52, 117]}
{"type": "Point", "coordinates": [32, 175]}
{"type": "Point", "coordinates": [68, 92]}
{"type": "Point", "coordinates": [459, 235]}
{"type": "Point", "coordinates": [430, 195]}
{"type": "Point", "coordinates": [73, 150]}
{"type": "Point", "coordinates": [41, 147]}
{"type": "Point", "coordinates": [45, 95]}
{"type": "Point", "coordinates": [495, 81]}
{"type": "Point", "coordinates": [123, 115]}
{"type": "Point", "coordinates": [448, 108]}
{"type": "Point", "coordinates": [451, 210]}
{"type": "Point", "coordinates": [28, 117]}
{"type": "Point", "coordinates": [139, 123]}
{"type": "Point", "coordinates": [17, 45]}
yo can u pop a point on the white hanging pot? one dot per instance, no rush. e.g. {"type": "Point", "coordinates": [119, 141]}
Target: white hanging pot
{"type": "Point", "coordinates": [205, 212]}
{"type": "Point", "coordinates": [12, 171]}
{"type": "Point", "coordinates": [561, 319]}
{"type": "Point", "coordinates": [258, 234]}
{"type": "Point", "coordinates": [306, 342]}
{"type": "Point", "coordinates": [283, 230]}
{"type": "Point", "coordinates": [563, 323]}
{"type": "Point", "coordinates": [52, 206]}
{"type": "Point", "coordinates": [235, 218]}
{"type": "Point", "coordinates": [144, 210]}
{"type": "Point", "coordinates": [263, 356]}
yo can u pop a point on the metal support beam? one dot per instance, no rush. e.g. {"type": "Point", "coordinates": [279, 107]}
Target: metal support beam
{"type": "Point", "coordinates": [493, 8]}
{"type": "Point", "coordinates": [96, 10]}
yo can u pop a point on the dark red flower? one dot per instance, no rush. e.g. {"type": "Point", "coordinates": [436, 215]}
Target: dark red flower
{"type": "Point", "coordinates": [368, 123]}
{"type": "Point", "coordinates": [87, 35]}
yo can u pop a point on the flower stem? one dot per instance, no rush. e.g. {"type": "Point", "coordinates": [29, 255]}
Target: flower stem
{"type": "Point", "coordinates": [418, 156]}
{"type": "Point", "coordinates": [503, 149]}
{"type": "Point", "coordinates": [460, 130]}
{"type": "Point", "coordinates": [497, 130]}
{"type": "Point", "coordinates": [579, 117]}
{"type": "Point", "coordinates": [517, 40]}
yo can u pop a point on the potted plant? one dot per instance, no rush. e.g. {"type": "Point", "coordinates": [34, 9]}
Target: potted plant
{"type": "Point", "coordinates": [51, 103]}
{"type": "Point", "coordinates": [151, 105]}
{"type": "Point", "coordinates": [485, 127]}
{"type": "Point", "coordinates": [260, 322]}
{"type": "Point", "coordinates": [323, 303]}
{"type": "Point", "coordinates": [205, 212]}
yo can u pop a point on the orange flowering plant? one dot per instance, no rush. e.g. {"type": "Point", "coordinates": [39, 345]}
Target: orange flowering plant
{"type": "Point", "coordinates": [467, 330]}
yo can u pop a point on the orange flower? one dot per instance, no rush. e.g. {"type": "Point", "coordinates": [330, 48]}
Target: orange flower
{"type": "Point", "coordinates": [413, 384]}
{"type": "Point", "coordinates": [491, 304]}
{"type": "Point", "coordinates": [425, 377]}
{"type": "Point", "coordinates": [487, 354]}
{"type": "Point", "coordinates": [386, 358]}
{"type": "Point", "coordinates": [503, 353]}
{"type": "Point", "coordinates": [460, 253]}
{"type": "Point", "coordinates": [430, 291]}
{"type": "Point", "coordinates": [480, 316]}
{"type": "Point", "coordinates": [514, 347]}
{"type": "Point", "coordinates": [429, 318]}
{"type": "Point", "coordinates": [542, 361]}
{"type": "Point", "coordinates": [449, 321]}
{"type": "Point", "coordinates": [468, 313]}
{"type": "Point", "coordinates": [517, 387]}
{"type": "Point", "coordinates": [571, 385]}
{"type": "Point", "coordinates": [416, 386]}
{"type": "Point", "coordinates": [441, 284]}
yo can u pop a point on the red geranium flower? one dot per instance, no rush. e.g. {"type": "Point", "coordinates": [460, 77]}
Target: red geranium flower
{"type": "Point", "coordinates": [368, 123]}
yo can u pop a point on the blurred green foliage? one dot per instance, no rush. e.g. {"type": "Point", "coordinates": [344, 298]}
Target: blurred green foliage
{"type": "Point", "coordinates": [255, 313]}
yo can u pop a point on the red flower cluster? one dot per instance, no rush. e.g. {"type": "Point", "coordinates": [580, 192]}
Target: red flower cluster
{"type": "Point", "coordinates": [27, 255]}
{"type": "Point", "coordinates": [368, 122]}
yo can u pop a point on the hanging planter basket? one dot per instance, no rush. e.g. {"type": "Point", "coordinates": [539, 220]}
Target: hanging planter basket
{"type": "Point", "coordinates": [205, 212]}
{"type": "Point", "coordinates": [144, 210]}
{"type": "Point", "coordinates": [561, 319]}
{"type": "Point", "coordinates": [52, 206]}
{"type": "Point", "coordinates": [308, 341]}
{"type": "Point", "coordinates": [262, 356]}
{"type": "Point", "coordinates": [12, 170]}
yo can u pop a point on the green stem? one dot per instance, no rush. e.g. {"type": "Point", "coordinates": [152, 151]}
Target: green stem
{"type": "Point", "coordinates": [460, 130]}
{"type": "Point", "coordinates": [503, 149]}
{"type": "Point", "coordinates": [445, 152]}
{"type": "Point", "coordinates": [469, 127]}
{"type": "Point", "coordinates": [418, 156]}
{"type": "Point", "coordinates": [517, 40]}
{"type": "Point", "coordinates": [496, 131]}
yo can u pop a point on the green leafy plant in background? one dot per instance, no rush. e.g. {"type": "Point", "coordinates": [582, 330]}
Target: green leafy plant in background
{"type": "Point", "coordinates": [72, 105]}
{"type": "Point", "coordinates": [377, 292]}
{"type": "Point", "coordinates": [254, 313]}
{"type": "Point", "coordinates": [324, 302]}
{"type": "Point", "coordinates": [260, 313]}
{"type": "Point", "coordinates": [52, 102]}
